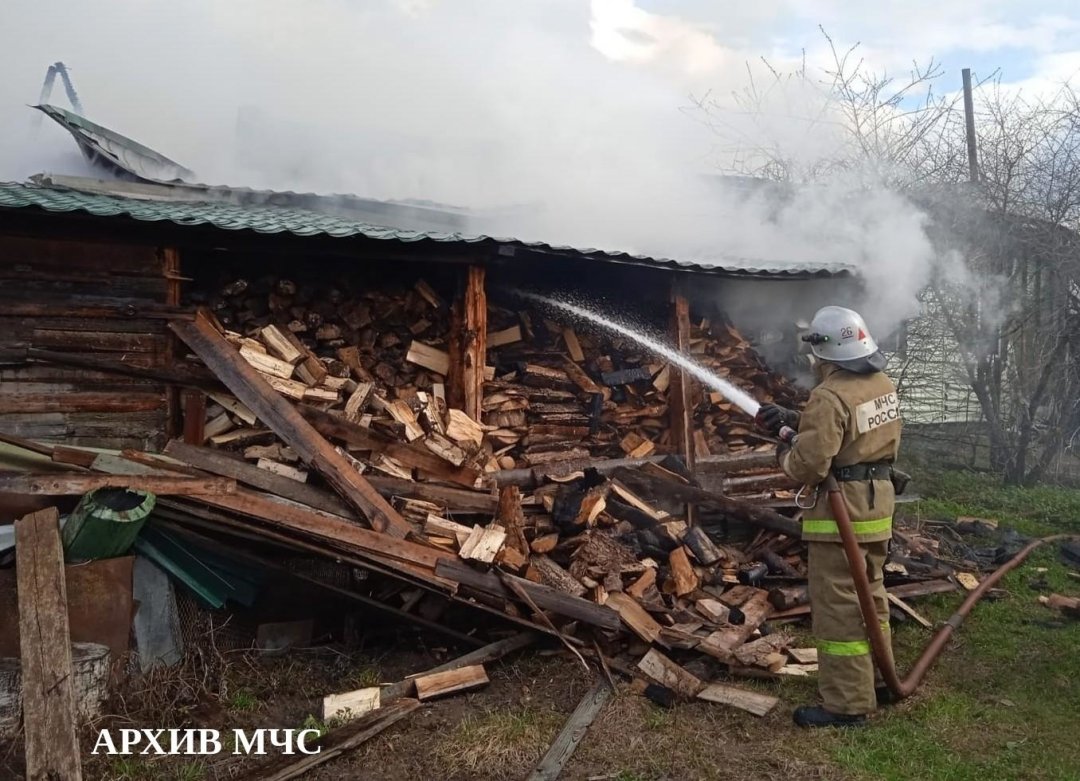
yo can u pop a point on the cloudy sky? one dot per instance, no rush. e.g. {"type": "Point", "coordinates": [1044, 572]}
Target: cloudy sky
{"type": "Point", "coordinates": [388, 96]}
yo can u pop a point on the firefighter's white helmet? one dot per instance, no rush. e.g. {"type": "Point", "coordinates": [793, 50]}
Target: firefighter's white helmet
{"type": "Point", "coordinates": [840, 336]}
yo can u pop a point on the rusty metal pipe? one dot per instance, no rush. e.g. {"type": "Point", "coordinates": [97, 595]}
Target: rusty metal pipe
{"type": "Point", "coordinates": [878, 643]}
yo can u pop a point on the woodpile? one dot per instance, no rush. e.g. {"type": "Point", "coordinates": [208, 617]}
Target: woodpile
{"type": "Point", "coordinates": [593, 559]}
{"type": "Point", "coordinates": [567, 508]}
{"type": "Point", "coordinates": [629, 561]}
{"type": "Point", "coordinates": [374, 368]}
{"type": "Point", "coordinates": [561, 395]}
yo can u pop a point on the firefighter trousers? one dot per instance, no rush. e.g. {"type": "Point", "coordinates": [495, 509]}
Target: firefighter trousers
{"type": "Point", "coordinates": [846, 671]}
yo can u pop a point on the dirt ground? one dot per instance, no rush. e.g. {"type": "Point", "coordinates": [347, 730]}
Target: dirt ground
{"type": "Point", "coordinates": [495, 733]}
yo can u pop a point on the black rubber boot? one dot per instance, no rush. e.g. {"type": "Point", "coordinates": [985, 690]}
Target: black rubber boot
{"type": "Point", "coordinates": [885, 696]}
{"type": "Point", "coordinates": [816, 716]}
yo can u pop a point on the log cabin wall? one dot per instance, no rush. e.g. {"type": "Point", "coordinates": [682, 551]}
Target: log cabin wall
{"type": "Point", "coordinates": [91, 300]}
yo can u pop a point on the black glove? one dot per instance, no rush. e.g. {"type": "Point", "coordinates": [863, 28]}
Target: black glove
{"type": "Point", "coordinates": [773, 417]}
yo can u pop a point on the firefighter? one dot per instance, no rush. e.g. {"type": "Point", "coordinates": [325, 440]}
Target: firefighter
{"type": "Point", "coordinates": [851, 428]}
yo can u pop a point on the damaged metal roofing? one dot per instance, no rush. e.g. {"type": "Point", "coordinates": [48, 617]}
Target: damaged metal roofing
{"type": "Point", "coordinates": [269, 218]}
{"type": "Point", "coordinates": [115, 152]}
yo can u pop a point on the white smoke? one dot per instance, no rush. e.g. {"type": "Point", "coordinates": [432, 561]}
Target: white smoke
{"type": "Point", "coordinates": [572, 111]}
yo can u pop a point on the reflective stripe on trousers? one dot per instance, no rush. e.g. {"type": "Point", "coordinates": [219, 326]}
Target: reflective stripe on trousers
{"type": "Point", "coordinates": [848, 647]}
{"type": "Point", "coordinates": [828, 526]}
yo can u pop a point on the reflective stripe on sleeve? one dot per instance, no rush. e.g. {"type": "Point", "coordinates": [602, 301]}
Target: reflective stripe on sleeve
{"type": "Point", "coordinates": [828, 526]}
{"type": "Point", "coordinates": [844, 647]}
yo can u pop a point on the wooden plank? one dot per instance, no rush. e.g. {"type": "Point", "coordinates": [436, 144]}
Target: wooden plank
{"type": "Point", "coordinates": [545, 597]}
{"type": "Point", "coordinates": [449, 681]}
{"type": "Point", "coordinates": [666, 673]}
{"type": "Point", "coordinates": [635, 617]}
{"type": "Point", "coordinates": [749, 701]}
{"type": "Point", "coordinates": [922, 588]}
{"type": "Point", "coordinates": [456, 500]}
{"type": "Point", "coordinates": [287, 423]}
{"type": "Point", "coordinates": [51, 740]}
{"type": "Point", "coordinates": [99, 341]}
{"type": "Point", "coordinates": [488, 653]}
{"type": "Point", "coordinates": [80, 401]}
{"type": "Point", "coordinates": [803, 655]}
{"type": "Point", "coordinates": [351, 704]}
{"type": "Point", "coordinates": [77, 484]}
{"type": "Point", "coordinates": [909, 611]}
{"type": "Point", "coordinates": [400, 556]}
{"type": "Point", "coordinates": [413, 455]}
{"type": "Point", "coordinates": [745, 511]}
{"type": "Point", "coordinates": [224, 465]}
{"type": "Point", "coordinates": [573, 732]}
{"type": "Point", "coordinates": [411, 558]}
{"type": "Point", "coordinates": [474, 342]}
{"type": "Point", "coordinates": [334, 744]}
{"type": "Point", "coordinates": [903, 591]}
{"type": "Point", "coordinates": [718, 464]}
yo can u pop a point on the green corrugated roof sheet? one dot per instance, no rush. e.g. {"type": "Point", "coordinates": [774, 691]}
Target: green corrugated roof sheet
{"type": "Point", "coordinates": [302, 222]}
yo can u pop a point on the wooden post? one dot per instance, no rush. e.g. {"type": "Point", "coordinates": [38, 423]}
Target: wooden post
{"type": "Point", "coordinates": [194, 417]}
{"type": "Point", "coordinates": [455, 377]}
{"type": "Point", "coordinates": [170, 269]}
{"type": "Point", "coordinates": [969, 127]}
{"type": "Point", "coordinates": [468, 345]}
{"type": "Point", "coordinates": [475, 342]}
{"type": "Point", "coordinates": [52, 745]}
{"type": "Point", "coordinates": [679, 404]}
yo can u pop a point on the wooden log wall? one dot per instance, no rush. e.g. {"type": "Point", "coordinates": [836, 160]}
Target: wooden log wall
{"type": "Point", "coordinates": [84, 298]}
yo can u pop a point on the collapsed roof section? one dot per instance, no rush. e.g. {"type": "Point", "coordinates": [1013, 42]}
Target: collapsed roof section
{"type": "Point", "coordinates": [117, 154]}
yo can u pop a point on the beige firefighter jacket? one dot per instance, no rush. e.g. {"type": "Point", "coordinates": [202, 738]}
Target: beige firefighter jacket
{"type": "Point", "coordinates": [849, 419]}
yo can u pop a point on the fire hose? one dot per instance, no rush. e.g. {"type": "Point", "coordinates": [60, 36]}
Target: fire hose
{"type": "Point", "coordinates": [878, 644]}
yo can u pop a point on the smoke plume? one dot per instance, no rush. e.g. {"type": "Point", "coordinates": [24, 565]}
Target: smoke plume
{"type": "Point", "coordinates": [563, 118]}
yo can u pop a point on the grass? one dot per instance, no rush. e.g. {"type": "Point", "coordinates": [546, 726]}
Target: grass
{"type": "Point", "coordinates": [498, 742]}
{"type": "Point", "coordinates": [141, 769]}
{"type": "Point", "coordinates": [241, 701]}
{"type": "Point", "coordinates": [1004, 701]}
